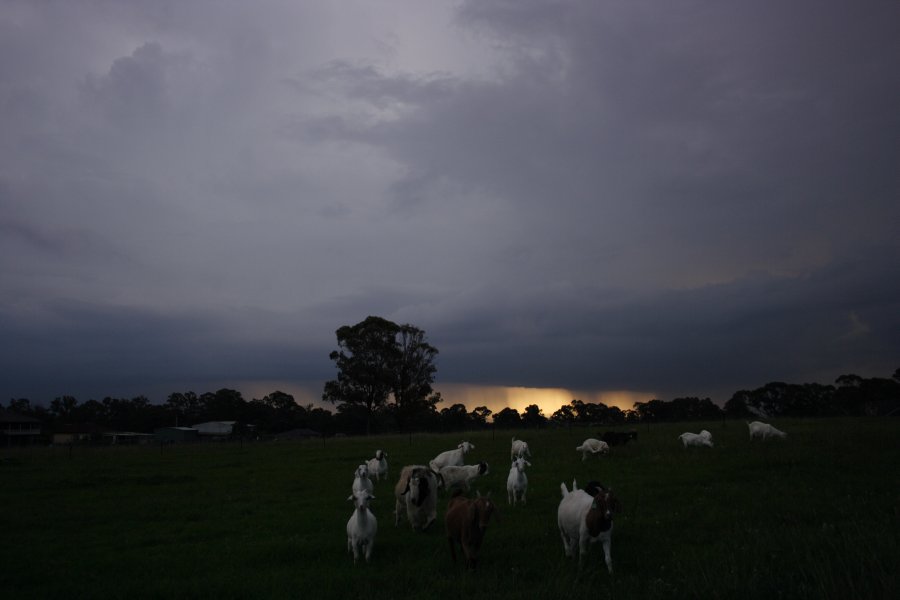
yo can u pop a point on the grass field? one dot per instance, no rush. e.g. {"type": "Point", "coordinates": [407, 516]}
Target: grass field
{"type": "Point", "coordinates": [813, 516]}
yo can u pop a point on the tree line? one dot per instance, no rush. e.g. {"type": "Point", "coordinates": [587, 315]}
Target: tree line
{"type": "Point", "coordinates": [384, 383]}
{"type": "Point", "coordinates": [278, 411]}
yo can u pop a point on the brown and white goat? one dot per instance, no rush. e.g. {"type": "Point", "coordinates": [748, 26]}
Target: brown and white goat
{"type": "Point", "coordinates": [585, 517]}
{"type": "Point", "coordinates": [466, 522]}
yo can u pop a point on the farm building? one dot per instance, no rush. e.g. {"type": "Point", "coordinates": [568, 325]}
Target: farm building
{"type": "Point", "coordinates": [215, 429]}
{"type": "Point", "coordinates": [127, 437]}
{"type": "Point", "coordinates": [176, 434]}
{"type": "Point", "coordinates": [77, 434]}
{"type": "Point", "coordinates": [16, 429]}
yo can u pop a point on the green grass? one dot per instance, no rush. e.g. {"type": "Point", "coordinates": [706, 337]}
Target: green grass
{"type": "Point", "coordinates": [813, 516]}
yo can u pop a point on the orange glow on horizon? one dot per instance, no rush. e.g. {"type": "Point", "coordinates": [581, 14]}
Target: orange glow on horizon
{"type": "Point", "coordinates": [495, 397]}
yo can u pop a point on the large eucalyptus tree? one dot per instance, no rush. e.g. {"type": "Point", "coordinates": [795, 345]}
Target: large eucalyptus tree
{"type": "Point", "coordinates": [378, 359]}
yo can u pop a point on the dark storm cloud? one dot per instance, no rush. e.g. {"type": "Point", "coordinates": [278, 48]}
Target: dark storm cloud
{"type": "Point", "coordinates": [71, 348]}
{"type": "Point", "coordinates": [684, 198]}
{"type": "Point", "coordinates": [734, 334]}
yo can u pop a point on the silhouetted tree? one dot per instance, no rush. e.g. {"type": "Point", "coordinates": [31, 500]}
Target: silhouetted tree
{"type": "Point", "coordinates": [615, 415]}
{"type": "Point", "coordinates": [378, 358]}
{"type": "Point", "coordinates": [63, 408]}
{"type": "Point", "coordinates": [533, 416]}
{"type": "Point", "coordinates": [564, 415]}
{"type": "Point", "coordinates": [478, 416]}
{"type": "Point", "coordinates": [736, 406]}
{"type": "Point", "coordinates": [507, 418]}
{"type": "Point", "coordinates": [454, 418]}
{"type": "Point", "coordinates": [413, 373]}
{"type": "Point", "coordinates": [185, 407]}
{"type": "Point", "coordinates": [223, 405]}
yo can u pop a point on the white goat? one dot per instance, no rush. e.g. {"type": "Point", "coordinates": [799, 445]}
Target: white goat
{"type": "Point", "coordinates": [592, 446]}
{"type": "Point", "coordinates": [762, 430]}
{"type": "Point", "coordinates": [517, 481]}
{"type": "Point", "coordinates": [519, 448]}
{"type": "Point", "coordinates": [704, 438]}
{"type": "Point", "coordinates": [362, 526]}
{"type": "Point", "coordinates": [361, 480]}
{"type": "Point", "coordinates": [451, 458]}
{"type": "Point", "coordinates": [378, 466]}
{"type": "Point", "coordinates": [416, 493]}
{"type": "Point", "coordinates": [462, 476]}
{"type": "Point", "coordinates": [583, 519]}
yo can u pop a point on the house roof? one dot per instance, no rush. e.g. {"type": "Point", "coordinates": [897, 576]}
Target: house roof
{"type": "Point", "coordinates": [8, 416]}
{"type": "Point", "coordinates": [215, 427]}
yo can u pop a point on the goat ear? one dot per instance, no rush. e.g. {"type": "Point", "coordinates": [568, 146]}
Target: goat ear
{"type": "Point", "coordinates": [477, 494]}
{"type": "Point", "coordinates": [350, 497]}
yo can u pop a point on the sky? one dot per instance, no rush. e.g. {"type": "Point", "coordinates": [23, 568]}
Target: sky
{"type": "Point", "coordinates": [605, 200]}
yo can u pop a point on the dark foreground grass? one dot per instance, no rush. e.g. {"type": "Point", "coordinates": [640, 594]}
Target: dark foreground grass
{"type": "Point", "coordinates": [813, 516]}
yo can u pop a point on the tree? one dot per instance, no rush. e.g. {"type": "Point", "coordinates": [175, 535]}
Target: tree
{"type": "Point", "coordinates": [223, 405]}
{"type": "Point", "coordinates": [376, 359]}
{"type": "Point", "coordinates": [276, 412]}
{"type": "Point", "coordinates": [565, 415]}
{"type": "Point", "coordinates": [736, 406]}
{"type": "Point", "coordinates": [186, 407]}
{"type": "Point", "coordinates": [20, 405]}
{"type": "Point", "coordinates": [413, 372]}
{"type": "Point", "coordinates": [365, 360]}
{"type": "Point", "coordinates": [508, 417]}
{"type": "Point", "coordinates": [533, 416]}
{"type": "Point", "coordinates": [63, 408]}
{"type": "Point", "coordinates": [479, 416]}
{"type": "Point", "coordinates": [615, 415]}
{"type": "Point", "coordinates": [454, 418]}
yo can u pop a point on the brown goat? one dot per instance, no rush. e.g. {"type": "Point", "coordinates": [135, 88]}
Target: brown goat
{"type": "Point", "coordinates": [467, 521]}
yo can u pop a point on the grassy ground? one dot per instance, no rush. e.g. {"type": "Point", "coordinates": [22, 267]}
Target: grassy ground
{"type": "Point", "coordinates": [813, 516]}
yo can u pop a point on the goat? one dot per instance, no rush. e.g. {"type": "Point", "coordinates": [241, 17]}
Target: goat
{"type": "Point", "coordinates": [762, 430]}
{"type": "Point", "coordinates": [378, 466]}
{"type": "Point", "coordinates": [362, 526]}
{"type": "Point", "coordinates": [519, 448]}
{"type": "Point", "coordinates": [416, 492]}
{"type": "Point", "coordinates": [461, 477]}
{"type": "Point", "coordinates": [361, 480]}
{"type": "Point", "coordinates": [466, 522]}
{"type": "Point", "coordinates": [451, 458]}
{"type": "Point", "coordinates": [615, 438]}
{"type": "Point", "coordinates": [704, 438]}
{"type": "Point", "coordinates": [517, 481]}
{"type": "Point", "coordinates": [592, 446]}
{"type": "Point", "coordinates": [585, 518]}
